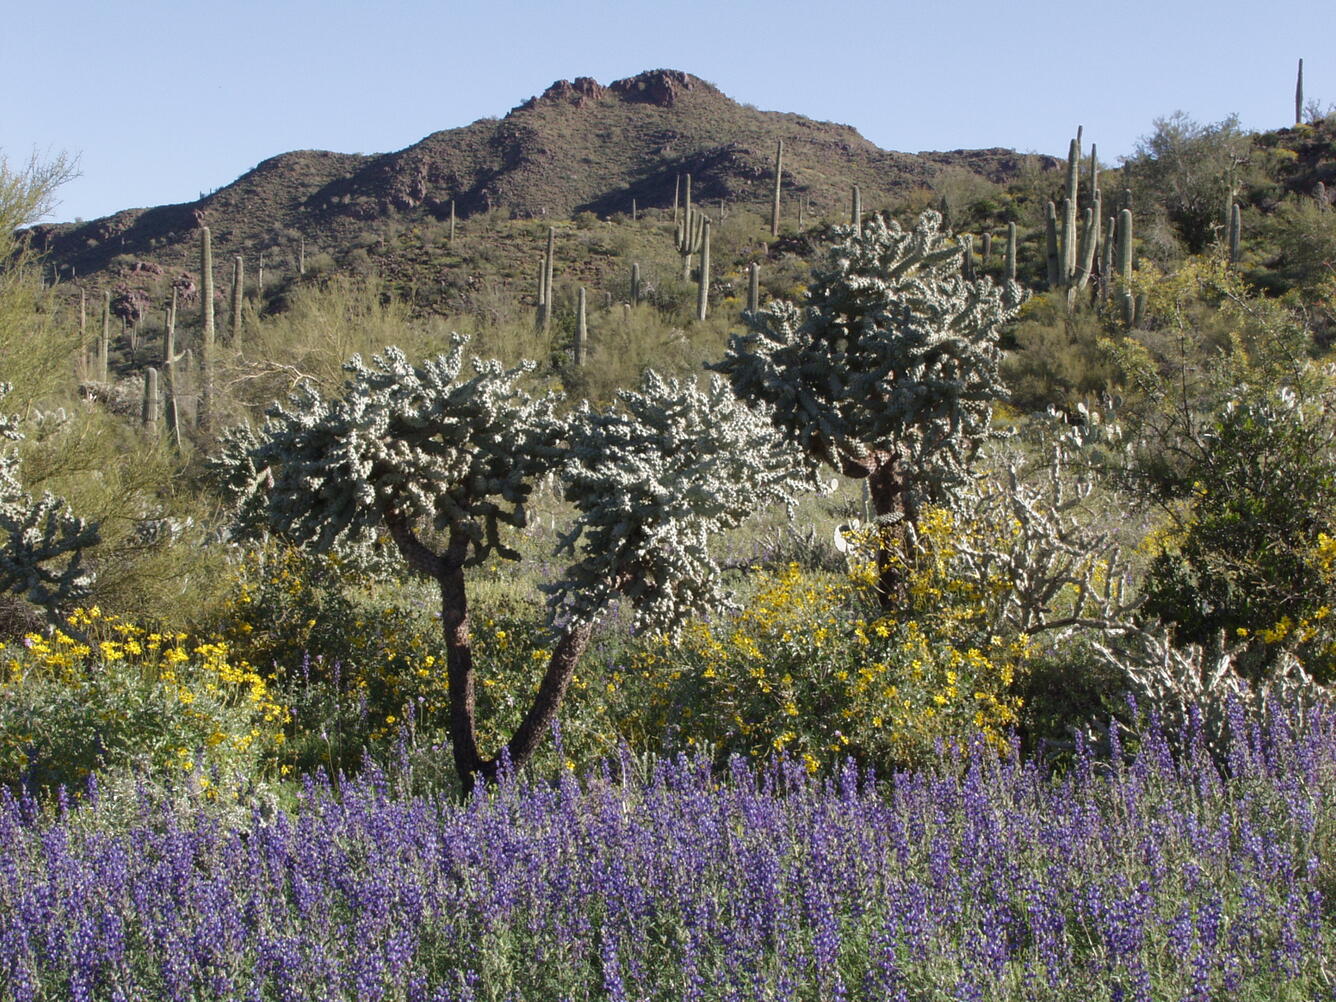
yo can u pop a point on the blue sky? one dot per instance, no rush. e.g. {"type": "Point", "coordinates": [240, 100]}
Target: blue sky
{"type": "Point", "coordinates": [162, 101]}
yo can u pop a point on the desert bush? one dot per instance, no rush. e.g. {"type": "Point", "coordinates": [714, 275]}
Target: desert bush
{"type": "Point", "coordinates": [103, 693]}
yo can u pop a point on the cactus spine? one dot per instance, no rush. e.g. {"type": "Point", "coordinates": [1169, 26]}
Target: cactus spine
{"type": "Point", "coordinates": [856, 210]}
{"type": "Point", "coordinates": [779, 174]}
{"type": "Point", "coordinates": [1011, 252]}
{"type": "Point", "coordinates": [581, 330]}
{"type": "Point", "coordinates": [703, 293]}
{"type": "Point", "coordinates": [206, 345]}
{"type": "Point", "coordinates": [238, 285]}
{"type": "Point", "coordinates": [753, 287]}
{"type": "Point", "coordinates": [635, 283]}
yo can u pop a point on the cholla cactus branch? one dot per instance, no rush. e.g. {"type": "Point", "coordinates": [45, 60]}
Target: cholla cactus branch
{"type": "Point", "coordinates": [42, 556]}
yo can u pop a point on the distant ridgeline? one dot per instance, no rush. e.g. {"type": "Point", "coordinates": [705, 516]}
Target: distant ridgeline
{"type": "Point", "coordinates": [577, 148]}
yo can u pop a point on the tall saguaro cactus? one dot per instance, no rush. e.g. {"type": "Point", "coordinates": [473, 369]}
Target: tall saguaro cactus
{"type": "Point", "coordinates": [1010, 267]}
{"type": "Point", "coordinates": [689, 229]}
{"type": "Point", "coordinates": [545, 281]}
{"type": "Point", "coordinates": [753, 287]}
{"type": "Point", "coordinates": [1299, 95]}
{"type": "Point", "coordinates": [1235, 231]}
{"type": "Point", "coordinates": [856, 210]}
{"type": "Point", "coordinates": [635, 283]}
{"type": "Point", "coordinates": [104, 345]}
{"type": "Point", "coordinates": [207, 334]}
{"type": "Point", "coordinates": [152, 406]}
{"type": "Point", "coordinates": [779, 174]}
{"type": "Point", "coordinates": [581, 329]}
{"type": "Point", "coordinates": [703, 293]}
{"type": "Point", "coordinates": [238, 287]}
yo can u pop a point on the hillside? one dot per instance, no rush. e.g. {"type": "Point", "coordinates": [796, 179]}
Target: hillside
{"type": "Point", "coordinates": [578, 147]}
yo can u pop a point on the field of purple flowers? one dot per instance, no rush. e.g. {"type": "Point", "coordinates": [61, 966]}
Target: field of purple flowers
{"type": "Point", "coordinates": [1156, 875]}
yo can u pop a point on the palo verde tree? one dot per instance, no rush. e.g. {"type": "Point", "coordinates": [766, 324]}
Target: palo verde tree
{"type": "Point", "coordinates": [443, 460]}
{"type": "Point", "coordinates": [887, 374]}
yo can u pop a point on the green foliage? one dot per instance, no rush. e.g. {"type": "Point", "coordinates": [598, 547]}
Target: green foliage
{"type": "Point", "coordinates": [1059, 358]}
{"type": "Point", "coordinates": [1250, 497]}
{"type": "Point", "coordinates": [135, 698]}
{"type": "Point", "coordinates": [1187, 173]}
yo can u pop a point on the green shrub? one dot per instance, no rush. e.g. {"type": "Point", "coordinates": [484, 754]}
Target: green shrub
{"type": "Point", "coordinates": [133, 698]}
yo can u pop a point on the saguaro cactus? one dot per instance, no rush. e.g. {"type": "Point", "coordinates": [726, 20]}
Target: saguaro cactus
{"type": "Point", "coordinates": [104, 345]}
{"type": "Point", "coordinates": [779, 173]}
{"type": "Point", "coordinates": [206, 343]}
{"type": "Point", "coordinates": [689, 232]}
{"type": "Point", "coordinates": [238, 287]}
{"type": "Point", "coordinates": [450, 240]}
{"type": "Point", "coordinates": [1235, 231]}
{"type": "Point", "coordinates": [703, 293]}
{"type": "Point", "coordinates": [856, 210]}
{"type": "Point", "coordinates": [545, 281]}
{"type": "Point", "coordinates": [635, 283]}
{"type": "Point", "coordinates": [753, 287]}
{"type": "Point", "coordinates": [1011, 252]}
{"type": "Point", "coordinates": [581, 330]}
{"type": "Point", "coordinates": [1125, 266]}
{"type": "Point", "coordinates": [151, 408]}
{"type": "Point", "coordinates": [1299, 95]}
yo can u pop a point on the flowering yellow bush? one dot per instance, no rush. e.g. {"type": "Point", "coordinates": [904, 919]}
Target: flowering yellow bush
{"type": "Point", "coordinates": [108, 691]}
{"type": "Point", "coordinates": [802, 672]}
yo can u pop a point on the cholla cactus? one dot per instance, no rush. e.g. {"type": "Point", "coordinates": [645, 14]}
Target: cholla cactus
{"type": "Point", "coordinates": [411, 445]}
{"type": "Point", "coordinates": [42, 558]}
{"type": "Point", "coordinates": [653, 480]}
{"type": "Point", "coordinates": [890, 372]}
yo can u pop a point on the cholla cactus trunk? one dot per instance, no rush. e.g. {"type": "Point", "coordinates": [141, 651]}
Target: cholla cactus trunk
{"type": "Point", "coordinates": [856, 210]}
{"type": "Point", "coordinates": [204, 418]}
{"type": "Point", "coordinates": [104, 345]}
{"type": "Point", "coordinates": [1010, 267]}
{"type": "Point", "coordinates": [581, 329]}
{"type": "Point", "coordinates": [238, 287]}
{"type": "Point", "coordinates": [1235, 231]}
{"type": "Point", "coordinates": [779, 175]}
{"type": "Point", "coordinates": [1299, 95]}
{"type": "Point", "coordinates": [703, 293]}
{"type": "Point", "coordinates": [753, 287]}
{"type": "Point", "coordinates": [1051, 246]}
{"type": "Point", "coordinates": [635, 283]}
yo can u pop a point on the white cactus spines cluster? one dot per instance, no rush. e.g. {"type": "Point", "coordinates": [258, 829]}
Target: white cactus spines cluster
{"type": "Point", "coordinates": [653, 481]}
{"type": "Point", "coordinates": [894, 352]}
{"type": "Point", "coordinates": [43, 543]}
{"type": "Point", "coordinates": [405, 445]}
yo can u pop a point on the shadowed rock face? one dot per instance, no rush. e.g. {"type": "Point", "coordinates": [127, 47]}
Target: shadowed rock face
{"type": "Point", "coordinates": [577, 147]}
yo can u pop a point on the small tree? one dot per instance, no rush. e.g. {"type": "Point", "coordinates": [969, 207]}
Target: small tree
{"type": "Point", "coordinates": [443, 460]}
{"type": "Point", "coordinates": [888, 374]}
